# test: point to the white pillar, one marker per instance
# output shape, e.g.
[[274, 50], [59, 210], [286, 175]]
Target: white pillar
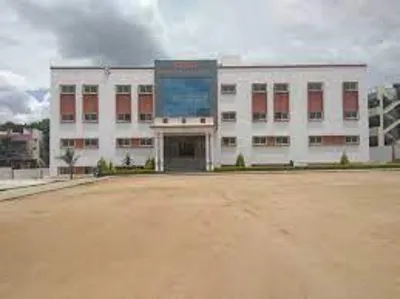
[[161, 151], [207, 152], [211, 142], [156, 152]]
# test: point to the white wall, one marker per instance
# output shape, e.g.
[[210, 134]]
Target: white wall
[[107, 130], [298, 127], [18, 174], [383, 153]]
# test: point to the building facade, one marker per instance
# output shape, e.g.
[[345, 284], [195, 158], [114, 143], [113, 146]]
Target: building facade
[[21, 149], [384, 115], [198, 115]]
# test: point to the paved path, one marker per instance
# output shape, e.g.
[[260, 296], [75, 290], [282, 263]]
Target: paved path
[[26, 191]]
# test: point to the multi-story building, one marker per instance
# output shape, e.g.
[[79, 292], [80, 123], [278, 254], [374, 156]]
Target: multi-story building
[[384, 115], [200, 114], [21, 149]]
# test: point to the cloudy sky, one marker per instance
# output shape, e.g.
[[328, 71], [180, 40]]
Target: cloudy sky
[[37, 33]]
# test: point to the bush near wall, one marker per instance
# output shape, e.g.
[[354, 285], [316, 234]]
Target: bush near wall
[[309, 167], [127, 171]]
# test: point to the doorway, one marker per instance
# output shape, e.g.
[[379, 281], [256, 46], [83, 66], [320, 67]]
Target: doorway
[[184, 153]]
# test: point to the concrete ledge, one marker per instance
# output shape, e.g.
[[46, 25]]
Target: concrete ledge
[[18, 193]]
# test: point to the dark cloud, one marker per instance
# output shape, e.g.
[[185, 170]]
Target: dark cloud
[[95, 30]]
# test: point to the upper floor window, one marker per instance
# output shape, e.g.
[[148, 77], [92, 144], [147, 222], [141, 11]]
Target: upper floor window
[[281, 116], [259, 88], [90, 117], [281, 87], [228, 88], [315, 86], [123, 89], [350, 86], [228, 116], [90, 89], [67, 89], [145, 89], [350, 114]]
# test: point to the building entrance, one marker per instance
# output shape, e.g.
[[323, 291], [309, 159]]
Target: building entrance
[[184, 153]]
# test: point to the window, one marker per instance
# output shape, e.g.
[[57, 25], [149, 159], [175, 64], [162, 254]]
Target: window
[[228, 141], [123, 89], [63, 170], [145, 89], [90, 117], [352, 140], [228, 88], [259, 117], [65, 143], [282, 140], [228, 116], [67, 118], [259, 140], [281, 116], [67, 89], [124, 118], [281, 87], [315, 116], [350, 86], [91, 143], [88, 170], [314, 140], [350, 115], [90, 89], [146, 142], [259, 88], [373, 141], [145, 117], [314, 86], [123, 142]]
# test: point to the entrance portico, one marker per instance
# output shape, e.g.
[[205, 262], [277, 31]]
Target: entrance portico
[[181, 143]]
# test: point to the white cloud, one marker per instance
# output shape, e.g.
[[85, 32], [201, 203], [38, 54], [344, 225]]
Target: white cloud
[[36, 34]]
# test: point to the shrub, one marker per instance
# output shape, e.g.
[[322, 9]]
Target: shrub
[[344, 160], [240, 161], [111, 167], [128, 160], [102, 165], [291, 163], [150, 164]]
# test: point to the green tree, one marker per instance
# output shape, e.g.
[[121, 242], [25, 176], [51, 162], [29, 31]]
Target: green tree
[[70, 159], [44, 126], [240, 161], [344, 160], [128, 160], [150, 164]]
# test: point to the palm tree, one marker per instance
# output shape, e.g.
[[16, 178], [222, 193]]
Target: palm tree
[[70, 159]]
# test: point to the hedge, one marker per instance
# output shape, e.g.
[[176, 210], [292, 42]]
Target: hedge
[[127, 172], [309, 167]]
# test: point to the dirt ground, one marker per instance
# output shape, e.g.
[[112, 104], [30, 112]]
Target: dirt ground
[[296, 235]]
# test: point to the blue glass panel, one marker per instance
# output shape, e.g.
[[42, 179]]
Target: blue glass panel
[[185, 96]]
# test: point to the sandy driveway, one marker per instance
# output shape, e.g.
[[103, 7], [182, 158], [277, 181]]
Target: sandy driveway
[[303, 235]]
